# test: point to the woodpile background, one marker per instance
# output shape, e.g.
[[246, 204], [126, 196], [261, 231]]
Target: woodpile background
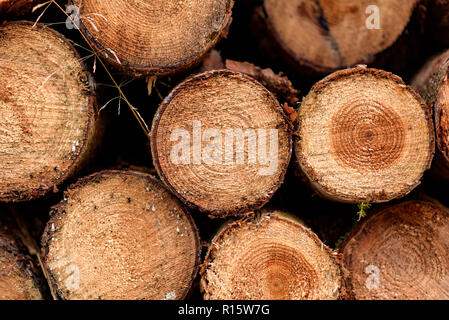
[[340, 190]]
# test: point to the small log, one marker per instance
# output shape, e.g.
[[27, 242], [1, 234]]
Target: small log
[[49, 128], [364, 136], [432, 82], [222, 143], [154, 37], [120, 235], [270, 257], [324, 36], [400, 252]]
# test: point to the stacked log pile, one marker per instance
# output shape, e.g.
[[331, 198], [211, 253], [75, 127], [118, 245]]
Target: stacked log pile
[[247, 181]]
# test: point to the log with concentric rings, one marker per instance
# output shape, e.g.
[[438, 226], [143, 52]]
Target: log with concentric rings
[[202, 163], [400, 252], [49, 128], [364, 135], [120, 235], [272, 256], [155, 37]]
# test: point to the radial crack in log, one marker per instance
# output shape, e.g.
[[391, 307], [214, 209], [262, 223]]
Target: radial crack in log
[[326, 35], [154, 37], [120, 235], [222, 143], [49, 127], [400, 252], [364, 136], [270, 257]]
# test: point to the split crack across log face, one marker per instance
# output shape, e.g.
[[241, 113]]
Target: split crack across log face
[[433, 84], [333, 34]]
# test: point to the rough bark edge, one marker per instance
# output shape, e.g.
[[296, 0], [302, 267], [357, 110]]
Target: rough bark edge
[[24, 261], [239, 211], [430, 89], [228, 228], [140, 71], [348, 292], [58, 212], [94, 129], [276, 83], [310, 174], [287, 54]]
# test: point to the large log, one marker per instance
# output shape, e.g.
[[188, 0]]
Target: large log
[[154, 37], [399, 252], [270, 257], [222, 143], [364, 136], [120, 235], [49, 127]]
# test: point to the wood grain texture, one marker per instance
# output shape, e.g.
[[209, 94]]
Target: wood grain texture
[[269, 257], [327, 35], [154, 37], [228, 184], [49, 125], [364, 135], [120, 235], [405, 246]]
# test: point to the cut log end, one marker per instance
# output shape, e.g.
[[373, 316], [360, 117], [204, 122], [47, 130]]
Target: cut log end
[[47, 108], [399, 252], [222, 143], [271, 257], [17, 278], [120, 235], [154, 37], [333, 34], [365, 135]]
